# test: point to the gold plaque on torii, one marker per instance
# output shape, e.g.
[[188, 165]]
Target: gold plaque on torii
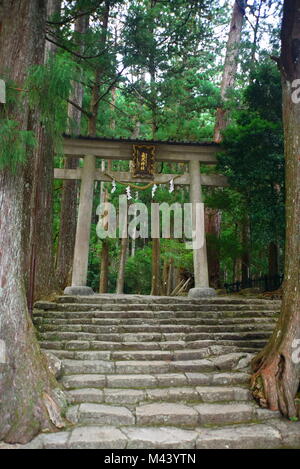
[[143, 161]]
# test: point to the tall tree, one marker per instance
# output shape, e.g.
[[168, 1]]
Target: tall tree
[[26, 386], [68, 213], [277, 368], [230, 66], [222, 120]]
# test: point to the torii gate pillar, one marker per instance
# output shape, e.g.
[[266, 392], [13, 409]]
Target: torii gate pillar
[[84, 221], [202, 288]]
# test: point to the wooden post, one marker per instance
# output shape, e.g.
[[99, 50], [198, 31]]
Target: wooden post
[[200, 255], [81, 252]]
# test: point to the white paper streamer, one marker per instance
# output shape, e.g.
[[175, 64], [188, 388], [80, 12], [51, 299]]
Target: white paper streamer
[[114, 187], [128, 193], [154, 189], [172, 187]]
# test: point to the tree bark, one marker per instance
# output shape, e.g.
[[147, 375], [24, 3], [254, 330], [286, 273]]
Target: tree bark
[[68, 212], [155, 267], [246, 250], [273, 259], [104, 256], [212, 228], [276, 377], [26, 386], [121, 273], [230, 66], [104, 268]]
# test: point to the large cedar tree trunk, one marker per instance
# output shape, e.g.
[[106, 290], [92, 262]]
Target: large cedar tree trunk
[[26, 386], [276, 369], [68, 212], [40, 279]]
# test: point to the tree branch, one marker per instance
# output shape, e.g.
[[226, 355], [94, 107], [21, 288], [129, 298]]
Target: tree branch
[[79, 56], [86, 113]]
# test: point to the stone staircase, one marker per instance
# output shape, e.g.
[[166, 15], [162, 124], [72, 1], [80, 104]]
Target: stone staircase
[[149, 372]]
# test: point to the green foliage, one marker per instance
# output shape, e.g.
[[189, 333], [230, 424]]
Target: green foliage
[[159, 63], [49, 88], [138, 272], [14, 143], [253, 160], [264, 94], [174, 249]]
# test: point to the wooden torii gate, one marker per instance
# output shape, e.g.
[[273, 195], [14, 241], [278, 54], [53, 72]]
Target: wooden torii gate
[[113, 149]]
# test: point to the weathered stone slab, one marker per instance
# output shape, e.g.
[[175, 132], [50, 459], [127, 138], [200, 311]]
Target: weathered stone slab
[[218, 414], [56, 440], [239, 437], [223, 393], [92, 355], [131, 381], [72, 414], [233, 361], [160, 438], [230, 378], [88, 366], [54, 364], [77, 345], [199, 378], [124, 396], [84, 381], [289, 431], [138, 367], [265, 414], [165, 413], [171, 379], [193, 365], [173, 394], [95, 437], [142, 355], [78, 396], [105, 415]]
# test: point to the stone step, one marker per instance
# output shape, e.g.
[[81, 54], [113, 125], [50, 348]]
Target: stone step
[[200, 414], [144, 354], [101, 414], [241, 344], [162, 329], [145, 381], [275, 433], [136, 367], [80, 345], [162, 314], [151, 307], [254, 335], [168, 414], [255, 436], [216, 318], [161, 300], [144, 372], [154, 322], [138, 396], [154, 337]]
